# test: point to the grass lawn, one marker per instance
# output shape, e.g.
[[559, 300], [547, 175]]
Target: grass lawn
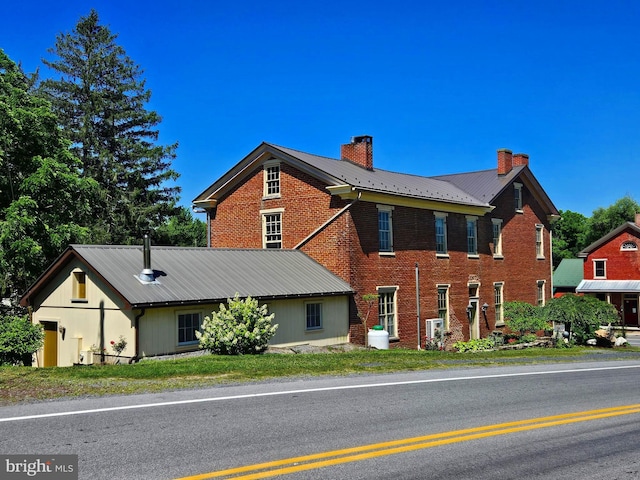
[[26, 384]]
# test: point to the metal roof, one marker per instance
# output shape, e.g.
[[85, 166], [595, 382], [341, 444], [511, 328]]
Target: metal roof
[[199, 275], [346, 172], [569, 273], [605, 286]]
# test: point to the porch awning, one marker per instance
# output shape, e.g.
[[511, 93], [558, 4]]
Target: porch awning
[[608, 286]]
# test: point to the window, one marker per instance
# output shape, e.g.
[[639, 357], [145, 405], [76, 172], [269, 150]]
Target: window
[[79, 280], [472, 235], [541, 298], [629, 246], [443, 303], [497, 302], [385, 228], [314, 316], [272, 228], [497, 237], [599, 269], [272, 180], [387, 309], [517, 191], [441, 233], [539, 241], [188, 325]]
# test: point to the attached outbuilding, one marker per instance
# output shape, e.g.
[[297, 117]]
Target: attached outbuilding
[[155, 298]]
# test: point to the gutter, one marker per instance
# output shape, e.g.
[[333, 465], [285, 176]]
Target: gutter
[[327, 223]]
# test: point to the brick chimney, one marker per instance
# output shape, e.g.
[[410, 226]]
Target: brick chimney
[[359, 151], [520, 159], [505, 161], [638, 219]]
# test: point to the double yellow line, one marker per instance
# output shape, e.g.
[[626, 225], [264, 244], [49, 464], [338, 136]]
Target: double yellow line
[[355, 454]]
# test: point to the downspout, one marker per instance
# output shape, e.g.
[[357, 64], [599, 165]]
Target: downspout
[[136, 353], [327, 223], [418, 301]]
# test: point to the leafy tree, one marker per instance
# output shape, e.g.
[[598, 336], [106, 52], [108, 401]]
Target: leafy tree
[[583, 315], [568, 235], [44, 202], [604, 220], [100, 100], [238, 329], [19, 339], [182, 230], [523, 317]]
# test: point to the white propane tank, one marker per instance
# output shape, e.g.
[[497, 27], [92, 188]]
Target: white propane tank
[[378, 338]]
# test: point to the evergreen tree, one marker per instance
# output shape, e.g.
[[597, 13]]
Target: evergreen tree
[[44, 201], [182, 230], [100, 100]]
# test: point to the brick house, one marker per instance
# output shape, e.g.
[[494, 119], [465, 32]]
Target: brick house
[[612, 270], [454, 247]]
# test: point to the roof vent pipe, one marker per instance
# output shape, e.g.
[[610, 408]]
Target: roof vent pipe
[[147, 273]]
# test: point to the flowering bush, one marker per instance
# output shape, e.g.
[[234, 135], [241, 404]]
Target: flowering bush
[[119, 346], [241, 327]]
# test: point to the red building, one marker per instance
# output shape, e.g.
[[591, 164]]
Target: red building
[[454, 247], [612, 270]]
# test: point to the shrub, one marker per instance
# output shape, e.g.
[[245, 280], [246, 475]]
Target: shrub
[[524, 318], [241, 327], [19, 339], [475, 345], [582, 315]]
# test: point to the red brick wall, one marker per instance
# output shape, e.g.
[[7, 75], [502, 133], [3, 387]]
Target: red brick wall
[[349, 247], [620, 265]]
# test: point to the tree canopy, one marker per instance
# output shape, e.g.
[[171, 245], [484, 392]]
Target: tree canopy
[[100, 100], [44, 201]]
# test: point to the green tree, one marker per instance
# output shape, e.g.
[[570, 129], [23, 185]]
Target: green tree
[[568, 235], [182, 230], [44, 202], [604, 220], [523, 317], [100, 99], [241, 327], [19, 340], [582, 315]]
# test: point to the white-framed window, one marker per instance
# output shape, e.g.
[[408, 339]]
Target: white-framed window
[[79, 285], [628, 245], [385, 228], [188, 324], [387, 310], [599, 268], [272, 228], [271, 179], [497, 237], [498, 289], [517, 196], [539, 241], [541, 295], [443, 304], [313, 313], [441, 233], [472, 236]]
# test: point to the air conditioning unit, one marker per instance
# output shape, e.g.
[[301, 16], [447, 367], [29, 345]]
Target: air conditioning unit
[[85, 357], [434, 333]]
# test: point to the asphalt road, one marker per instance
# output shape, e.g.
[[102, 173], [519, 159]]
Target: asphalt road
[[555, 421]]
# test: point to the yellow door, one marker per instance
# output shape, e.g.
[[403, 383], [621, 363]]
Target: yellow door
[[50, 356]]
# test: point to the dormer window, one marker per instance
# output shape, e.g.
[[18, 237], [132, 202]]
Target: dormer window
[[628, 246], [271, 180]]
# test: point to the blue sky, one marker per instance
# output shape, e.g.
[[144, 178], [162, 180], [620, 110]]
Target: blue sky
[[439, 85]]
